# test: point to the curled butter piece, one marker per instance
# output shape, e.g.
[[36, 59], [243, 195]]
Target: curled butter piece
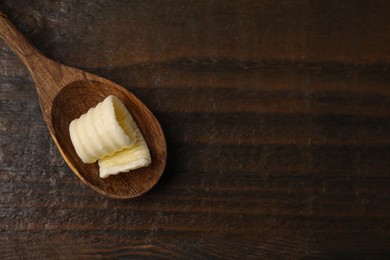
[[102, 131], [131, 158]]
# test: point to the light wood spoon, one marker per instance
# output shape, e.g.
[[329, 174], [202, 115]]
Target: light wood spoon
[[65, 93]]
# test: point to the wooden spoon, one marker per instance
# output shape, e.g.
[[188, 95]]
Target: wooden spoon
[[65, 93]]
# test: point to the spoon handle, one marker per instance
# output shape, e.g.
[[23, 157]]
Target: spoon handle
[[16, 41], [49, 76]]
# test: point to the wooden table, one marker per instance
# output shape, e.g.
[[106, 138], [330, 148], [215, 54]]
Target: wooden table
[[277, 119]]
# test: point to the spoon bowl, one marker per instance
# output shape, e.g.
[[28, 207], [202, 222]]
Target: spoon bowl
[[65, 93], [89, 93]]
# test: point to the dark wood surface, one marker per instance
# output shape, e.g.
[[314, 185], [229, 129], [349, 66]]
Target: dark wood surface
[[277, 119]]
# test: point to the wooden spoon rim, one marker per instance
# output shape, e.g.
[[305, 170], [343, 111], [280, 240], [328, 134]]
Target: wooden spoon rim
[[156, 140]]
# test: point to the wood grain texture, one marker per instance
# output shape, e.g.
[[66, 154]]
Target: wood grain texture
[[277, 119]]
